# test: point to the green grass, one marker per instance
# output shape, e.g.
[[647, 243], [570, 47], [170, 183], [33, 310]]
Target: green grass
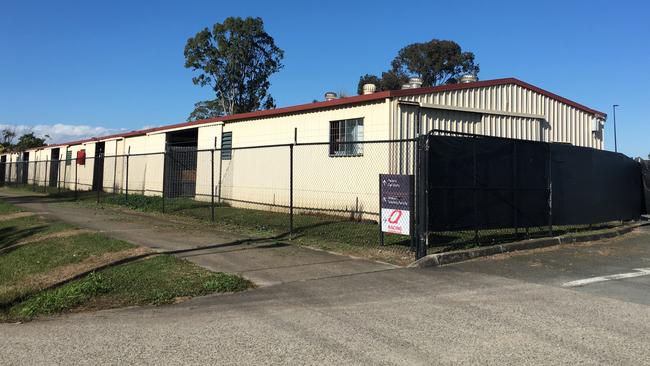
[[32, 188], [330, 228], [45, 255], [335, 233], [27, 228], [6, 208], [155, 281], [329, 232]]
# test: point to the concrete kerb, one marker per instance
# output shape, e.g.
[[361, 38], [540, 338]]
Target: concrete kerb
[[441, 259]]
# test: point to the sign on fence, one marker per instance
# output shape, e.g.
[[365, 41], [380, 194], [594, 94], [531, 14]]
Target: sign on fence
[[395, 194]]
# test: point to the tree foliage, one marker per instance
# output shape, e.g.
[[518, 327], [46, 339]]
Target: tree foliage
[[436, 62], [7, 136], [29, 141], [206, 109], [389, 80], [235, 59], [26, 141]]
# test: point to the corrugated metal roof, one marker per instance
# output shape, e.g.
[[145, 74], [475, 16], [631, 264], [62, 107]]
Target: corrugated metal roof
[[342, 102]]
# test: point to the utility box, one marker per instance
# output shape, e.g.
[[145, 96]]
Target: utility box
[[81, 157]]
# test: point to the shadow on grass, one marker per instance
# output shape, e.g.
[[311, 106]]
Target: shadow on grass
[[314, 227], [12, 235]]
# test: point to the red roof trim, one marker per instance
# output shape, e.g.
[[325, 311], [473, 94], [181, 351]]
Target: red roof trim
[[345, 101]]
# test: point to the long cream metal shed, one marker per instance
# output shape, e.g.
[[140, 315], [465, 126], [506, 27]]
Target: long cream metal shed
[[501, 107]]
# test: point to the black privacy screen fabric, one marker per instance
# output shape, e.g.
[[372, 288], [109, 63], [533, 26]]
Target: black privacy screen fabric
[[477, 182], [591, 186], [487, 183]]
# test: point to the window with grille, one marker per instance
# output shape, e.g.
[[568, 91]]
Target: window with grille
[[342, 133], [226, 146]]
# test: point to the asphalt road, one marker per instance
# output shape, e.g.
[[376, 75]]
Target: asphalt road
[[507, 310]]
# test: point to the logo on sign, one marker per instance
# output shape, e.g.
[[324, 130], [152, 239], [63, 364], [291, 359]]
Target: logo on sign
[[395, 221], [394, 216]]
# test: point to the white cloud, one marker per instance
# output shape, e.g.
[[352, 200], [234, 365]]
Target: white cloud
[[60, 132]]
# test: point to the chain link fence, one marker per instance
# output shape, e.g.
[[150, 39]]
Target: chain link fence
[[327, 195], [304, 191]]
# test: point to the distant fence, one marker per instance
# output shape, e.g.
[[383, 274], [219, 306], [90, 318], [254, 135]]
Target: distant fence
[[495, 188]]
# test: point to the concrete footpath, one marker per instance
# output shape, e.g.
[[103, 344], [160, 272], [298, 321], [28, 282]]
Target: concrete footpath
[[265, 262]]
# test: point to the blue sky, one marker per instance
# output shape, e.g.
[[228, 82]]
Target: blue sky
[[82, 67]]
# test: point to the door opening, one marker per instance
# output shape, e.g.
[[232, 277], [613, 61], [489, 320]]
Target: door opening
[[180, 169], [54, 168], [98, 167]]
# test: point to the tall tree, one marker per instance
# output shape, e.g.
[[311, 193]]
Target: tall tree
[[236, 59], [436, 62]]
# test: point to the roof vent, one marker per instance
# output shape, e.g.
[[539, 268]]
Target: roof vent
[[369, 88], [330, 96], [415, 83], [468, 78]]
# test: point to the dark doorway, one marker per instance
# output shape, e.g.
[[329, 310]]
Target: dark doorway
[[180, 167], [54, 168], [22, 168], [3, 169], [98, 168]]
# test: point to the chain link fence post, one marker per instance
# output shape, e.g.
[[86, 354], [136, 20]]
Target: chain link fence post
[[475, 190], [422, 186], [99, 184], [126, 184], [290, 191], [219, 182], [9, 177], [164, 180], [550, 193], [45, 176], [65, 172], [76, 179], [34, 176], [212, 182]]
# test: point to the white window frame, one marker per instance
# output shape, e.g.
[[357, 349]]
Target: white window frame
[[346, 130]]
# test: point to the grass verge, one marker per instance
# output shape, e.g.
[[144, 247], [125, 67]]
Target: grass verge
[[37, 254], [159, 280], [335, 233], [327, 232]]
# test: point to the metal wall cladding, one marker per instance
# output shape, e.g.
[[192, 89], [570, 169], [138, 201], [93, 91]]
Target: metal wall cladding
[[557, 121]]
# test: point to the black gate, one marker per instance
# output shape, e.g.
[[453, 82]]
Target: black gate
[[471, 184], [180, 171]]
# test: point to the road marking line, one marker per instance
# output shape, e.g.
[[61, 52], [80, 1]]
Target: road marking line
[[587, 281]]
